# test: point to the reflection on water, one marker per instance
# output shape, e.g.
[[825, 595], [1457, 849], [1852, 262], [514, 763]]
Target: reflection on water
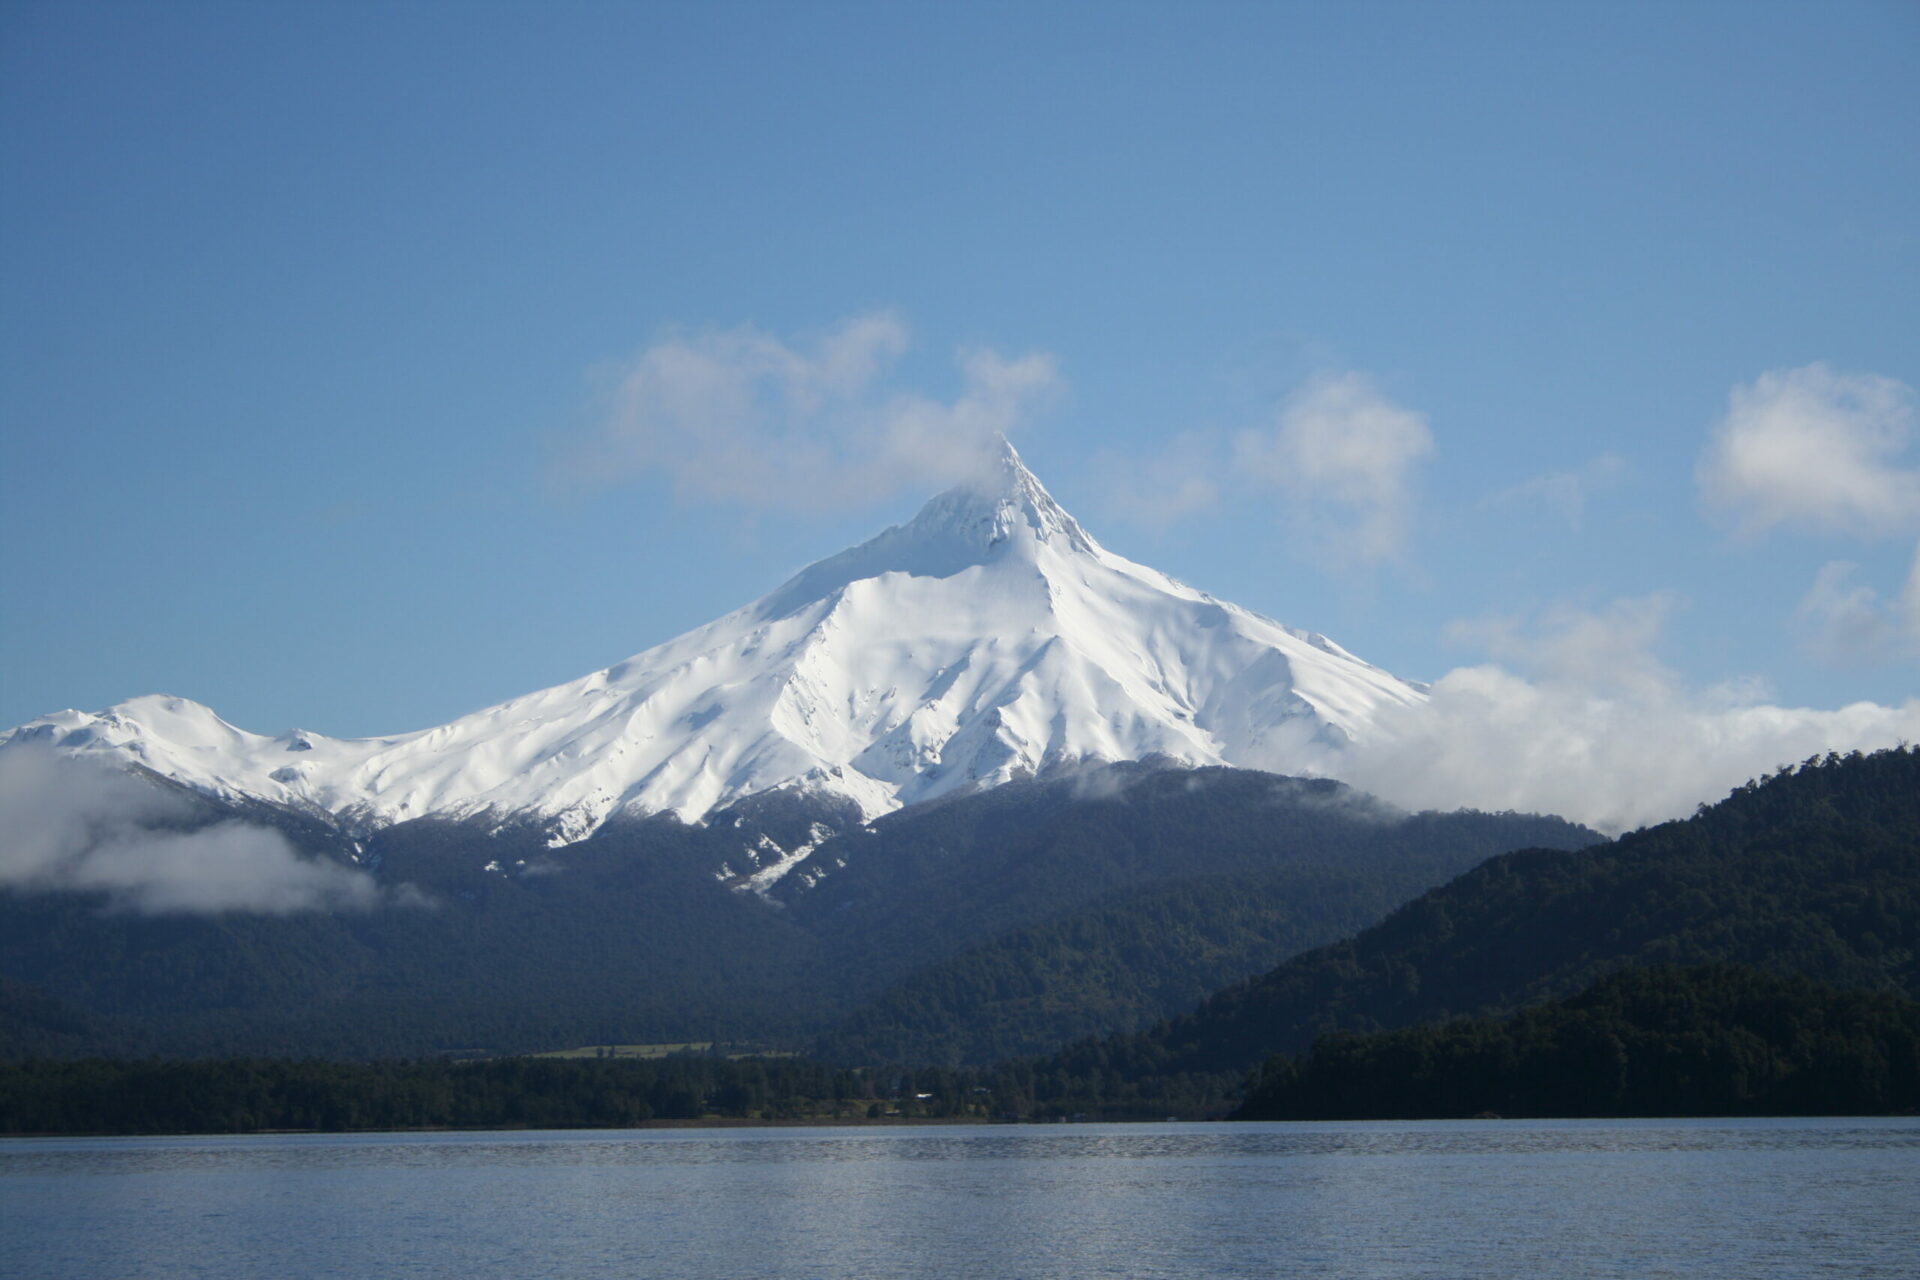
[[1486, 1199]]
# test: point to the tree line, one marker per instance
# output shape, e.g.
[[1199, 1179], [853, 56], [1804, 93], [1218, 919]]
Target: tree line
[[253, 1095], [1712, 1040]]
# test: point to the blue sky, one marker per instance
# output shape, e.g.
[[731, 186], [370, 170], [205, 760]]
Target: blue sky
[[1574, 338]]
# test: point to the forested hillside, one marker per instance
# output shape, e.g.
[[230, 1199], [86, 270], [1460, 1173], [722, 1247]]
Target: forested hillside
[[490, 942], [1055, 909], [1814, 871]]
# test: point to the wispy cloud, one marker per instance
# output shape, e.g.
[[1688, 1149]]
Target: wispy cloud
[[1594, 727], [78, 825], [1814, 448], [1343, 455], [1844, 622], [742, 416], [1566, 493], [1189, 475], [1610, 649]]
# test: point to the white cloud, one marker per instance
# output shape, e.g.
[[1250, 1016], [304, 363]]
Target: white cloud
[[1566, 493], [744, 417], [1844, 622], [1817, 449], [1595, 728], [1494, 740], [1344, 456], [77, 825]]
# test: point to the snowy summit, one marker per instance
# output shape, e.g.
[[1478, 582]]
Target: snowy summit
[[987, 639]]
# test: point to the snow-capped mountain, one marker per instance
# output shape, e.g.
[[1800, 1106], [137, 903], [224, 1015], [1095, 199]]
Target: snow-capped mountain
[[989, 638]]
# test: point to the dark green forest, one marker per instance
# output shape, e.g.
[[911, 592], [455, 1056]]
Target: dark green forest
[[1812, 871], [1114, 966], [1202, 878], [1710, 1040]]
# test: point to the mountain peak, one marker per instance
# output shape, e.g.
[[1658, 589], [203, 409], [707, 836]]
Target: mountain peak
[[1000, 510], [1002, 501], [986, 639]]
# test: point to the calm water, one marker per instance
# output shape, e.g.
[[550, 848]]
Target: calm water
[[1748, 1199]]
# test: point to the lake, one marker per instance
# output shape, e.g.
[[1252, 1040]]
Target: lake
[[1743, 1198]]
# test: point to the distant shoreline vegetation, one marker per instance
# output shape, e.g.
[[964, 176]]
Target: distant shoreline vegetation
[[1708, 1040], [1714, 1040], [103, 1096]]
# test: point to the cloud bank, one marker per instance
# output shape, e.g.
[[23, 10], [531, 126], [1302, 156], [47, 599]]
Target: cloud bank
[[76, 825], [741, 416], [1594, 728]]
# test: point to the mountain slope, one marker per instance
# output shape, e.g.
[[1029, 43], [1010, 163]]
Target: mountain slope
[[504, 945], [985, 640], [488, 940]]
